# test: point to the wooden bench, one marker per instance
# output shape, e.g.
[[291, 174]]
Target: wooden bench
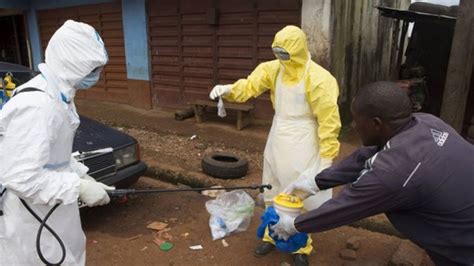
[[243, 111]]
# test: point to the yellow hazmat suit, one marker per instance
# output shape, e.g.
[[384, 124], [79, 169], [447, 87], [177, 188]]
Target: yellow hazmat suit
[[303, 138], [321, 87]]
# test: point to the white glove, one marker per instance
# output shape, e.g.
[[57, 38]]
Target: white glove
[[93, 193], [285, 227], [303, 187], [219, 91]]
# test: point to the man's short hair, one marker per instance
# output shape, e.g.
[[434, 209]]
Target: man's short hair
[[383, 99]]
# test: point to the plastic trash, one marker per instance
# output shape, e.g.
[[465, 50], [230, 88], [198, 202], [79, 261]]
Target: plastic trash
[[220, 108], [196, 247], [166, 246], [231, 212], [224, 243]]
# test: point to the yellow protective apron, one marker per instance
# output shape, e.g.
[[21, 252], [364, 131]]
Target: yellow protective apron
[[293, 145]]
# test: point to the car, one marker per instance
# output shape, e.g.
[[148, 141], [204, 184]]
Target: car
[[112, 156]]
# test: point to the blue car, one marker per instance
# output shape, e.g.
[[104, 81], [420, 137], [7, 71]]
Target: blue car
[[112, 156]]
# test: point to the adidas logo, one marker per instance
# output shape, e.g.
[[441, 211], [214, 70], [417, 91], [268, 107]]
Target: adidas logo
[[439, 137]]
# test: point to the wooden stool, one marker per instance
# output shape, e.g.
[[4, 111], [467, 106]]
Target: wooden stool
[[243, 111]]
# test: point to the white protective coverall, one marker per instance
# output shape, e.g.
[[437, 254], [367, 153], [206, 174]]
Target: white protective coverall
[[36, 136]]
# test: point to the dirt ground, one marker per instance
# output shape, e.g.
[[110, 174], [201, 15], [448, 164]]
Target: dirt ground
[[175, 148], [188, 151], [110, 228]]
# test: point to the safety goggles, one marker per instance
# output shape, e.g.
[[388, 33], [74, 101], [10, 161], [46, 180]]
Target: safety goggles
[[281, 53]]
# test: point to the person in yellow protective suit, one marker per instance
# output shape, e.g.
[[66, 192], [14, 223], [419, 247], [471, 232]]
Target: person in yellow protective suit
[[303, 138]]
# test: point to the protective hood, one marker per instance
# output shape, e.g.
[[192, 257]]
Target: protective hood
[[73, 52], [293, 40]]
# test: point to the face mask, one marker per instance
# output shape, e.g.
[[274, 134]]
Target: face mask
[[90, 80]]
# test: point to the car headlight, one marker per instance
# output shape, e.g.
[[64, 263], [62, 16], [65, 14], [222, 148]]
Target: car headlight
[[126, 156]]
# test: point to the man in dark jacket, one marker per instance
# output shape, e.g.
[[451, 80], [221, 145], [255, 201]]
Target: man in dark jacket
[[413, 167]]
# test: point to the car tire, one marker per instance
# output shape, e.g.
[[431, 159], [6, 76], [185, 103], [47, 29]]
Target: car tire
[[224, 165]]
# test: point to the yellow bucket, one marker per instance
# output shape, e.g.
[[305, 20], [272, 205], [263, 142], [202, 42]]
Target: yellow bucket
[[288, 204]]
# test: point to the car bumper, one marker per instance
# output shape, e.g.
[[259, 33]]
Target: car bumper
[[125, 176]]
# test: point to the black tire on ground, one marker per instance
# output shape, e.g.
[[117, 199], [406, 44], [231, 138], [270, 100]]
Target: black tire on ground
[[224, 165]]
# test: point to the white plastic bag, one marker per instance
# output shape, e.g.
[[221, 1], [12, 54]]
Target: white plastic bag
[[230, 212], [221, 109]]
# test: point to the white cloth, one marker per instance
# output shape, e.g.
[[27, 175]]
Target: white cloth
[[293, 144], [36, 136], [221, 108]]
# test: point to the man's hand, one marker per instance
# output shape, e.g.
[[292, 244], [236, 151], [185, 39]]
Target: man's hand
[[219, 91], [285, 227]]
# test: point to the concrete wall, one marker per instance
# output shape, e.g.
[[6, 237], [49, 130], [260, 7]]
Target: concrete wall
[[316, 23]]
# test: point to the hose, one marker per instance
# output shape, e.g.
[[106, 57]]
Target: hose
[[40, 230], [118, 192]]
